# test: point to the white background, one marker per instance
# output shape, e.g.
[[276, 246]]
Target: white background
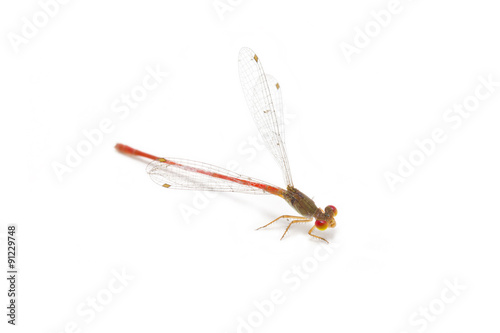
[[349, 122]]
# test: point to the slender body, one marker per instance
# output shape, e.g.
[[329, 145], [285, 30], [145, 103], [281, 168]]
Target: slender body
[[263, 95]]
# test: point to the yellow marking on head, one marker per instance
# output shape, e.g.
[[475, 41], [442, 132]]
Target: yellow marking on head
[[255, 58], [166, 185], [162, 160], [277, 85]]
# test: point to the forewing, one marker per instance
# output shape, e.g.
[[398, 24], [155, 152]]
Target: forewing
[[184, 174], [264, 101], [277, 99]]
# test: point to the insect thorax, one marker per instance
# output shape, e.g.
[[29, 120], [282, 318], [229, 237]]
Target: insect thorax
[[304, 205]]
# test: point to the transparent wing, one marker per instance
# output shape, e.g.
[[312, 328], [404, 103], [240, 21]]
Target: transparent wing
[[275, 89], [191, 175], [263, 95]]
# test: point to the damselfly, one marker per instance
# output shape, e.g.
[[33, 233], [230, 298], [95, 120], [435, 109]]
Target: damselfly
[[263, 95]]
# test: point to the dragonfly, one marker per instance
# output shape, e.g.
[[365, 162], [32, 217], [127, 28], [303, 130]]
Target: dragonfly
[[264, 99]]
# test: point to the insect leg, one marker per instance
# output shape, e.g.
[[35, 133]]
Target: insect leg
[[281, 217], [302, 220]]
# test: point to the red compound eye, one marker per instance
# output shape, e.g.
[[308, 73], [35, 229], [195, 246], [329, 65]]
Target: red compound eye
[[334, 210], [321, 225]]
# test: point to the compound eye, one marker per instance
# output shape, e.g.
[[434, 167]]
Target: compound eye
[[332, 208], [321, 225]]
